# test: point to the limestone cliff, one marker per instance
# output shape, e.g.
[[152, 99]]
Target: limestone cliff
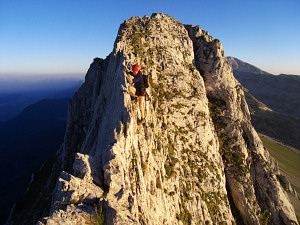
[[196, 160]]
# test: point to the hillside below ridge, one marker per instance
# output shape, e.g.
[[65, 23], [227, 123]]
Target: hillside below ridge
[[279, 92], [196, 160], [282, 128], [278, 111]]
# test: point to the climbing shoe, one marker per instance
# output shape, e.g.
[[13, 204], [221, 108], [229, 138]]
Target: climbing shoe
[[133, 98]]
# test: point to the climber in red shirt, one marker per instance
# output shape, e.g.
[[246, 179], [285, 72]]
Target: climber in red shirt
[[137, 88]]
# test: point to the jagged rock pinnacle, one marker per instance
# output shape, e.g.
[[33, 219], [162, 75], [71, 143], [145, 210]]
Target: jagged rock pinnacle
[[196, 151]]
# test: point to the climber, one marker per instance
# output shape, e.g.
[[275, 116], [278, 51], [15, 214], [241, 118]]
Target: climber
[[137, 88]]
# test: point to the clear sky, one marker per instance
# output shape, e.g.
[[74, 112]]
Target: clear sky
[[63, 36]]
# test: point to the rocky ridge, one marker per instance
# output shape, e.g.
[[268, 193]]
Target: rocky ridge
[[196, 159]]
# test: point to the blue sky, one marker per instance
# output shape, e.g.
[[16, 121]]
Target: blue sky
[[55, 37]]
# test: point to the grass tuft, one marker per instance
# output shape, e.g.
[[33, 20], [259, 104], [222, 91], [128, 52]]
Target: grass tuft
[[99, 217]]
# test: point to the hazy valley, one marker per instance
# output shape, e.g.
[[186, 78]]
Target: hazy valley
[[16, 94]]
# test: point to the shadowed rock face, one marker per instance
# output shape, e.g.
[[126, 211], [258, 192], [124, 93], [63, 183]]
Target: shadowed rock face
[[196, 142]]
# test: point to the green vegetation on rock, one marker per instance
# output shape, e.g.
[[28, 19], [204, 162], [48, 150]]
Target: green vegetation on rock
[[99, 217]]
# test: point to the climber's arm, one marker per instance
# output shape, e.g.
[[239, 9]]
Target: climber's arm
[[128, 78], [127, 70]]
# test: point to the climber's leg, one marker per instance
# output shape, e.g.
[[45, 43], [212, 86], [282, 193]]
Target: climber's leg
[[132, 91], [142, 108]]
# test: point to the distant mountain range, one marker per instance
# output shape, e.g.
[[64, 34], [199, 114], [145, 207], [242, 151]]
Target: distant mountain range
[[274, 101], [14, 98], [241, 66], [32, 84]]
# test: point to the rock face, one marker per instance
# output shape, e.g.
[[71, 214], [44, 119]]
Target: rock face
[[196, 159], [73, 200]]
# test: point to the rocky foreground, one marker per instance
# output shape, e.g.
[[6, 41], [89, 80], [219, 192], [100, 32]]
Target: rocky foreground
[[196, 160]]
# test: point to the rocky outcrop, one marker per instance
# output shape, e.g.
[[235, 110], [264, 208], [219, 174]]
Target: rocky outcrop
[[287, 185], [196, 151], [75, 199]]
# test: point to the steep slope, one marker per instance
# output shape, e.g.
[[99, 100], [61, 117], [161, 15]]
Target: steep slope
[[281, 93], [282, 127], [196, 152], [279, 118]]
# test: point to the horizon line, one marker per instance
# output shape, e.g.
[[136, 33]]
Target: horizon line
[[42, 75]]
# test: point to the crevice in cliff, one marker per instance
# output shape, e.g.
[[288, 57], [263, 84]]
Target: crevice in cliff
[[235, 212]]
